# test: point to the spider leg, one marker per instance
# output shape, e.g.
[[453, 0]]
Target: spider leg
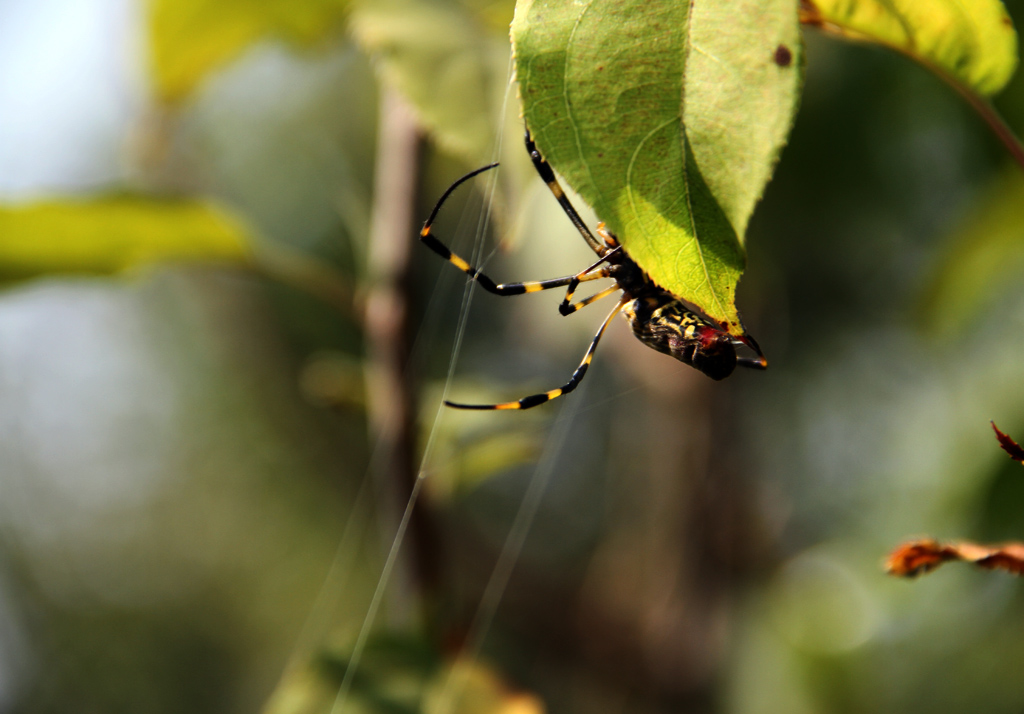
[[752, 362], [566, 307], [428, 239], [760, 362], [570, 308], [548, 176], [574, 381]]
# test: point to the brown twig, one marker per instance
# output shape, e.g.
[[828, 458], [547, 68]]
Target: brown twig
[[391, 391], [991, 117]]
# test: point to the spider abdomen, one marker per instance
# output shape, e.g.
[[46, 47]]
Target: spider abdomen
[[666, 325]]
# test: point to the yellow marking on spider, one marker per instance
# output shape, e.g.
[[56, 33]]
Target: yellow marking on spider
[[556, 189], [609, 240], [426, 231], [460, 264], [554, 393], [533, 287], [508, 405]]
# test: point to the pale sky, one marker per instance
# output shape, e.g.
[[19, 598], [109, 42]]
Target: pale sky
[[71, 82]]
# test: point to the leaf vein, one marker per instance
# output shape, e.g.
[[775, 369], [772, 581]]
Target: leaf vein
[[568, 104]]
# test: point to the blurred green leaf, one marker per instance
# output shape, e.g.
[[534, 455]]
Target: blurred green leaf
[[393, 674], [191, 38], [400, 675], [467, 451], [495, 14], [668, 119], [334, 379], [986, 254], [499, 452], [303, 691], [972, 42], [465, 463], [448, 61], [114, 233], [469, 687]]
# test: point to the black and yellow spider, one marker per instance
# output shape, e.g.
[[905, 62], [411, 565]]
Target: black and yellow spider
[[659, 319]]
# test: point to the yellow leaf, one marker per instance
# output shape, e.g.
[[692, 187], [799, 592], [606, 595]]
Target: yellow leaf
[[191, 38], [972, 41], [468, 687], [114, 233]]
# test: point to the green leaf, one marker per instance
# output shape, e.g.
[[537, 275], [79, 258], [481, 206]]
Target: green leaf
[[668, 118], [971, 42], [985, 256], [191, 38], [449, 62], [114, 233]]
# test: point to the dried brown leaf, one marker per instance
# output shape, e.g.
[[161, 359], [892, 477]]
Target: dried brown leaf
[[921, 556], [1009, 445]]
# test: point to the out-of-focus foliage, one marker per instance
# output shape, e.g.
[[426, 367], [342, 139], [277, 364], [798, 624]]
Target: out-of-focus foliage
[[467, 451], [189, 39], [972, 42], [473, 688], [183, 458], [449, 62], [111, 234], [668, 119], [450, 59], [985, 255], [400, 675]]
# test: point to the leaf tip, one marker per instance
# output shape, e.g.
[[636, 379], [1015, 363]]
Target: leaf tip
[[1008, 445], [916, 557]]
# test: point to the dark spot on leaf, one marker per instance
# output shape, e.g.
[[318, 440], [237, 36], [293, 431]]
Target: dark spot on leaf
[[1007, 21], [783, 56]]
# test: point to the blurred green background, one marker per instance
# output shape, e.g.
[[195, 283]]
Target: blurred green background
[[201, 459]]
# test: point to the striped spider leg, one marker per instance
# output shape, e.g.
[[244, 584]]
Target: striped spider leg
[[596, 271]]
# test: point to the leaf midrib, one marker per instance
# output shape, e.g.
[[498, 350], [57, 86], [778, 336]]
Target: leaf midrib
[[568, 106], [687, 49]]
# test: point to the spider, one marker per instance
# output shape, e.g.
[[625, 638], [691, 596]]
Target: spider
[[659, 319]]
